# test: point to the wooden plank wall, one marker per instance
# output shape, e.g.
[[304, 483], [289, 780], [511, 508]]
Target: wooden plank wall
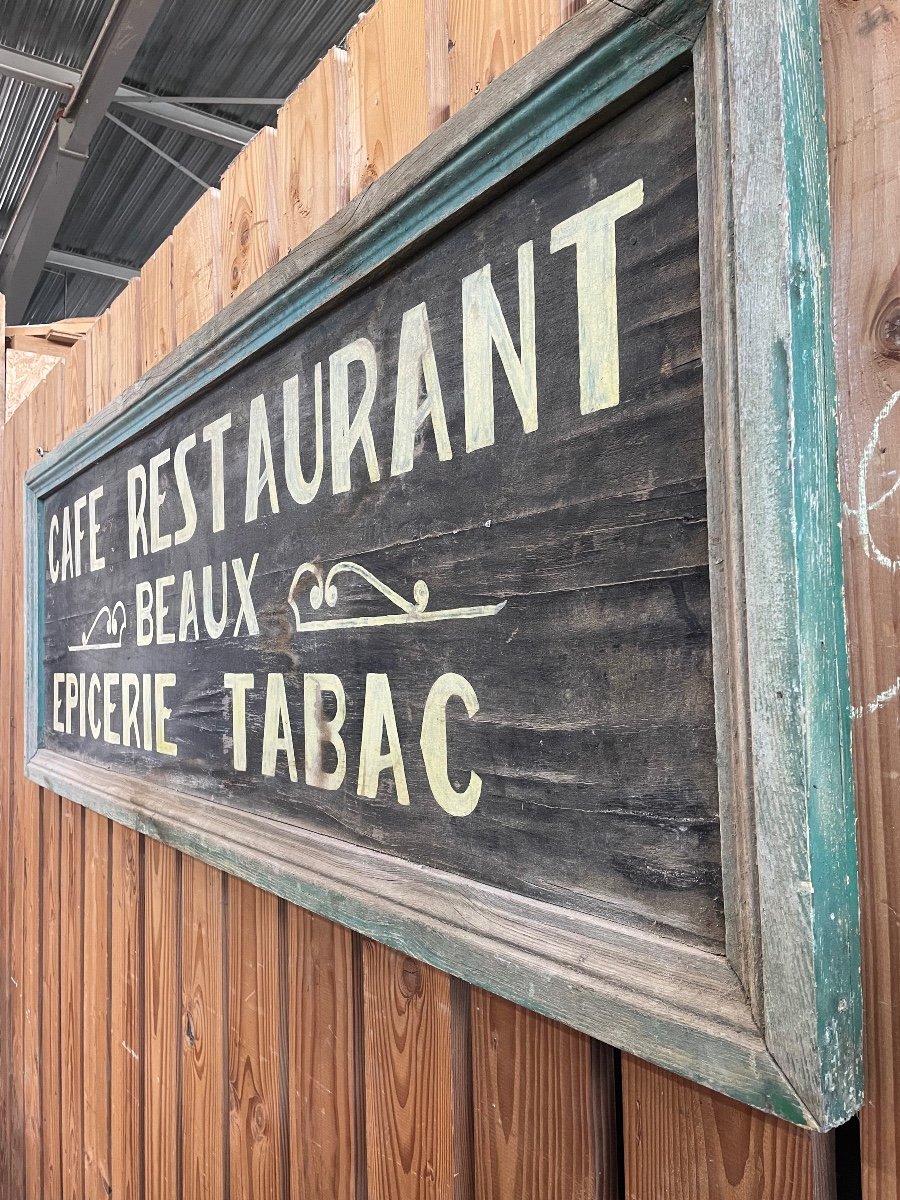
[[166, 1031]]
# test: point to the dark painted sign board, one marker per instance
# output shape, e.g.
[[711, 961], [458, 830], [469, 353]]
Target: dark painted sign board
[[406, 593]]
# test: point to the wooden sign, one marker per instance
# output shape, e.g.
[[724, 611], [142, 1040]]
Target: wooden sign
[[473, 579]]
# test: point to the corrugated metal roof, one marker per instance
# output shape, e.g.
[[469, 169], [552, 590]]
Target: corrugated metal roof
[[62, 31], [26, 114], [128, 199]]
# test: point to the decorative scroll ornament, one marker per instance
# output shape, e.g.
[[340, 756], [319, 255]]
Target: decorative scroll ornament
[[115, 628], [409, 612]]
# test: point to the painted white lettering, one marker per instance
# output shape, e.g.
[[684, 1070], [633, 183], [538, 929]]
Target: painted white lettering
[[162, 713], [137, 525], [246, 611], [52, 537], [484, 327], [319, 731], [434, 744], [346, 434], [259, 447], [415, 363], [301, 490], [98, 561], [378, 721], [239, 685], [215, 433], [214, 627], [143, 611], [185, 494], [277, 736], [163, 583], [593, 234]]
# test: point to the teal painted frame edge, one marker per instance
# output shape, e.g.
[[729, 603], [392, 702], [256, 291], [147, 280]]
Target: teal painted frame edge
[[800, 705], [565, 96], [832, 812]]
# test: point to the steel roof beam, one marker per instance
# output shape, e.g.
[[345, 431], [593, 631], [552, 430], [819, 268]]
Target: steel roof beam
[[65, 260], [63, 156], [173, 114]]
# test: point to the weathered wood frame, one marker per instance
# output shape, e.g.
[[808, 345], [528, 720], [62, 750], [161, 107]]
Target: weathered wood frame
[[776, 1022]]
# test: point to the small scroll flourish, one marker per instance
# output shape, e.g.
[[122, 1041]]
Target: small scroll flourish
[[114, 626], [324, 589]]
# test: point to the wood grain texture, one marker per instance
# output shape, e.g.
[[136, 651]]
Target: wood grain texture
[[683, 1141], [99, 347], [398, 83], [97, 975], [537, 1108], [862, 49], [248, 215], [71, 874], [204, 1126], [162, 1005], [16, 436], [126, 1014], [124, 338], [256, 1050], [157, 311], [197, 265], [6, 1065], [487, 36], [30, 818], [410, 1109], [51, 1055], [73, 992], [312, 153], [51, 428], [7, 1069], [322, 986]]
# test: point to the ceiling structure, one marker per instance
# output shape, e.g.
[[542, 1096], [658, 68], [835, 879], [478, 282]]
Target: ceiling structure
[[95, 170]]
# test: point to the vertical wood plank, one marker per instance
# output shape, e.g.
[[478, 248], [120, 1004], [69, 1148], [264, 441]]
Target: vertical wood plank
[[71, 870], [197, 265], [157, 315], [205, 1016], [71, 874], [6, 1064], [162, 1000], [411, 1101], [249, 215], [682, 1140], [487, 36], [398, 83], [30, 816], [161, 864], [15, 435], [126, 1015], [123, 332], [52, 422], [51, 1059], [97, 1176], [99, 349], [861, 52], [324, 1059], [311, 152], [257, 1116], [539, 1112]]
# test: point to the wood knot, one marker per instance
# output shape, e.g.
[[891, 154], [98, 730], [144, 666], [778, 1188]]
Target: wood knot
[[190, 1032], [887, 329], [244, 231], [411, 982], [259, 1120]]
